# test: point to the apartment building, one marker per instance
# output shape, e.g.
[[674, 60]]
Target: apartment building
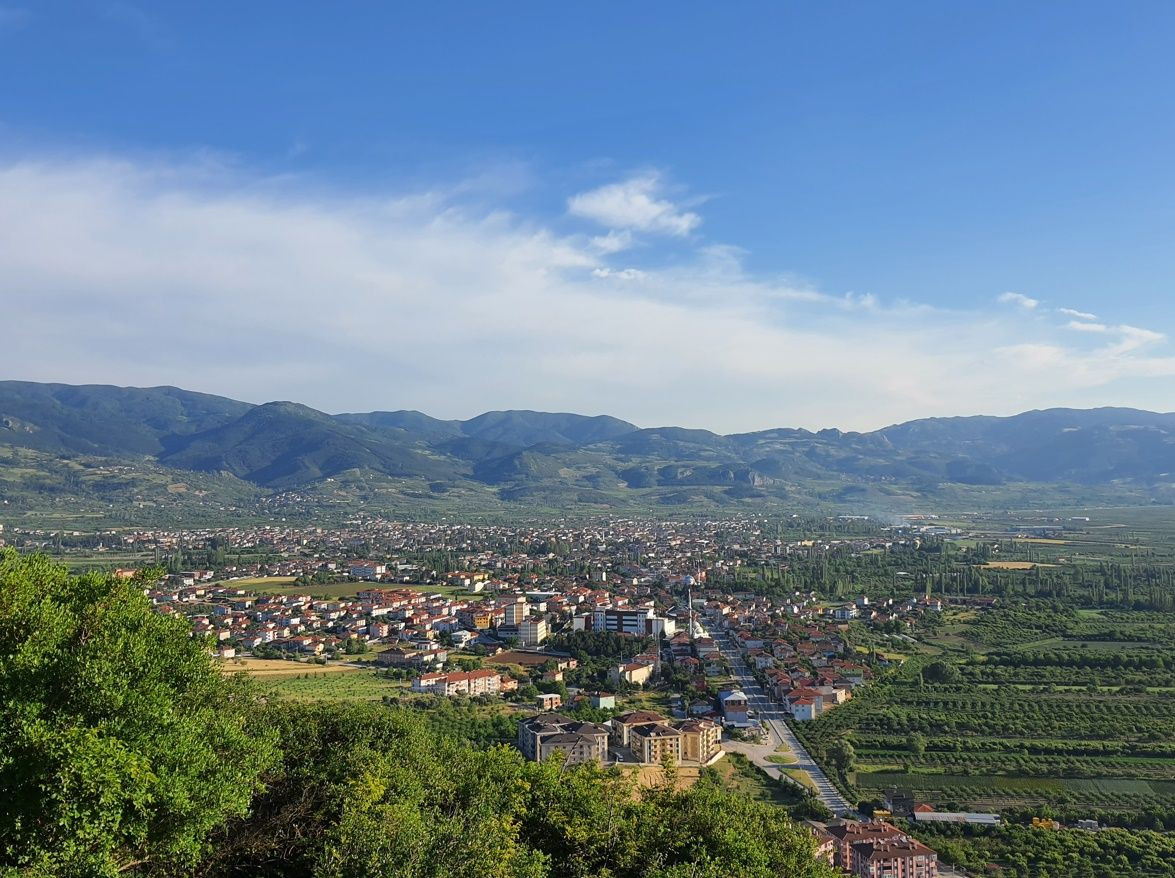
[[880, 850], [905, 858], [476, 618], [541, 736], [471, 683], [701, 740], [533, 631], [516, 611], [623, 621], [635, 673], [654, 742], [623, 725]]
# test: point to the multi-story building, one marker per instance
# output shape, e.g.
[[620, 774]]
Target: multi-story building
[[648, 736], [881, 850], [734, 706], [480, 682], [635, 621], [604, 700], [905, 858], [638, 621], [654, 742], [367, 569], [541, 736], [805, 709], [516, 611], [826, 842], [701, 740], [532, 631], [475, 617], [623, 724], [636, 673]]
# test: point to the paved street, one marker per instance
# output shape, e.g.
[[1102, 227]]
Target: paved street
[[771, 715]]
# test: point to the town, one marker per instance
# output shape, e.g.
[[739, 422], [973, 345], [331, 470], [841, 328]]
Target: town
[[656, 648], [481, 612]]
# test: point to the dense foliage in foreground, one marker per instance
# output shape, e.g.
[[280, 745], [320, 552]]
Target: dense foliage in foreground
[[119, 742], [122, 749], [369, 791]]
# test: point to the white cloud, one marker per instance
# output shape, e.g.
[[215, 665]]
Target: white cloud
[[635, 204], [1135, 337], [622, 273], [1080, 326], [124, 273], [613, 242], [1127, 338], [1018, 299], [1080, 315]]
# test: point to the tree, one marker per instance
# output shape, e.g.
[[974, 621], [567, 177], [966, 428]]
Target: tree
[[842, 756], [916, 743], [120, 741], [941, 672]]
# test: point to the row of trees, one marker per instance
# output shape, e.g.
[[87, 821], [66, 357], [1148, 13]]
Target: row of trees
[[1023, 852]]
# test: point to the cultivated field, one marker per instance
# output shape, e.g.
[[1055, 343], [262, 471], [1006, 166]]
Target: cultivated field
[[270, 668], [1045, 706]]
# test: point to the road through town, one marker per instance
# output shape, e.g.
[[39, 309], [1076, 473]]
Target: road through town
[[771, 715]]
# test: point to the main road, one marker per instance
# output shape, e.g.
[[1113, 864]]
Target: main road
[[771, 715]]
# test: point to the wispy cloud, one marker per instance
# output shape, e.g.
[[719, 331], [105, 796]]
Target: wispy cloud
[[1126, 338], [122, 272], [621, 273], [1079, 315], [1018, 299], [613, 242], [1135, 337], [637, 203]]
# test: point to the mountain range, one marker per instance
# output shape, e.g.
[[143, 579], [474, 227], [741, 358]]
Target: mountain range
[[554, 460]]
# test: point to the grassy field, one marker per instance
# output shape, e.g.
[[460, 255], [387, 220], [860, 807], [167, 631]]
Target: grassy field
[[327, 684], [256, 667], [304, 681], [738, 774], [801, 777], [654, 775], [277, 583], [447, 590], [657, 701]]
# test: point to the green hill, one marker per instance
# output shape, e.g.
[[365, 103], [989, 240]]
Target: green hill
[[49, 433]]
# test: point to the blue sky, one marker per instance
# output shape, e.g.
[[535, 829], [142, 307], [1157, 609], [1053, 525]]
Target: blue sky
[[826, 205]]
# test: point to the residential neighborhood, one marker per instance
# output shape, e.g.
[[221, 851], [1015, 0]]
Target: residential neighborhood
[[681, 664]]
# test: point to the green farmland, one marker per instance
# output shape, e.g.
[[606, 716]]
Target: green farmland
[[1020, 707]]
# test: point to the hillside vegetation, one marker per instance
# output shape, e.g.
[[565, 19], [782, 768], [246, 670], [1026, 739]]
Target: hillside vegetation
[[54, 438]]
